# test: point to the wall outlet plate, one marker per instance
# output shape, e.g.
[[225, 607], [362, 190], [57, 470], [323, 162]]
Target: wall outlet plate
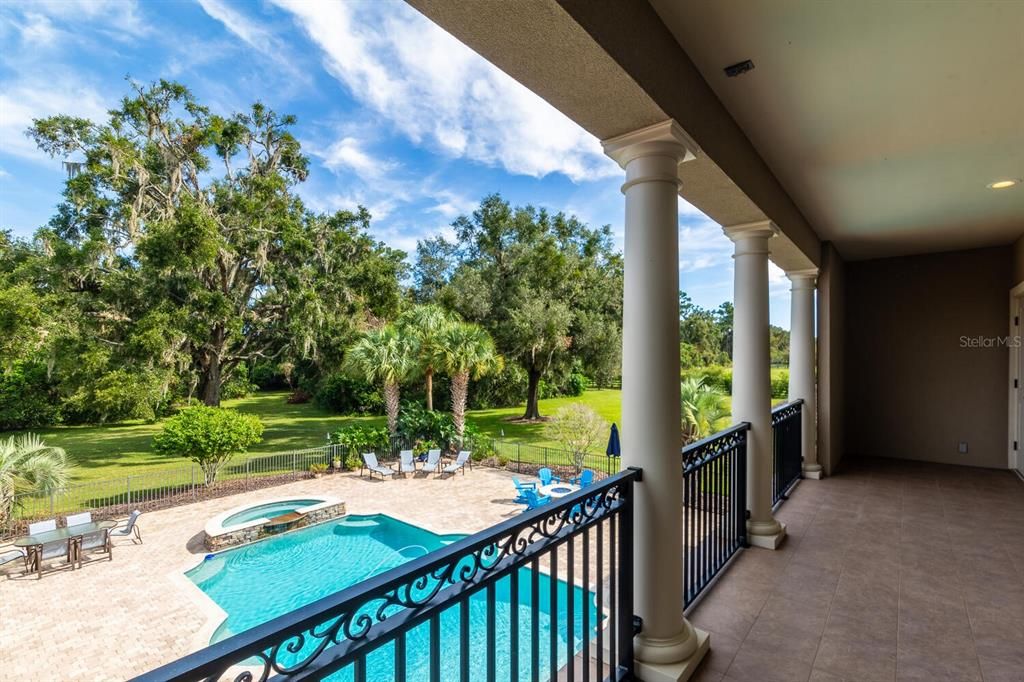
[[962, 447]]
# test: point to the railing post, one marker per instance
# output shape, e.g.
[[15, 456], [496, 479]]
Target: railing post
[[740, 494], [629, 624]]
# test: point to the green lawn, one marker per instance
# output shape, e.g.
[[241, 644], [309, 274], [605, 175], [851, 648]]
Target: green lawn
[[104, 452]]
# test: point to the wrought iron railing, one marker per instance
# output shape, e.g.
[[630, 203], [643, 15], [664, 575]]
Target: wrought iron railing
[[787, 448], [714, 505], [556, 581]]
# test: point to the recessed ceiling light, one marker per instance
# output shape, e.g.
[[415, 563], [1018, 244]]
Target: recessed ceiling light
[[1002, 184]]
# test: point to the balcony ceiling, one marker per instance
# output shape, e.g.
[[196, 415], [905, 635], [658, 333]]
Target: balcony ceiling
[[883, 121]]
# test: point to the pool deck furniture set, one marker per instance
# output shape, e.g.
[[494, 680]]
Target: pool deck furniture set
[[551, 487], [407, 464], [79, 535]]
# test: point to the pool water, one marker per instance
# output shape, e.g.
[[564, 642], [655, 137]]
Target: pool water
[[267, 511], [266, 579]]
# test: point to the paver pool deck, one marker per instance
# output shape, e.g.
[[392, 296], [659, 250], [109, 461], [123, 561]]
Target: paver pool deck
[[113, 620]]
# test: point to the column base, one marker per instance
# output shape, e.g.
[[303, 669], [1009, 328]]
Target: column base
[[770, 540], [678, 671], [813, 471]]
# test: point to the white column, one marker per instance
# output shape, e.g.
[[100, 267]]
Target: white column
[[668, 648], [802, 361], [751, 375]]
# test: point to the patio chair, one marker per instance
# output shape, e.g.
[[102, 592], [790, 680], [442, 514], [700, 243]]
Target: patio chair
[[42, 526], [585, 478], [78, 519], [406, 464], [9, 555], [459, 464], [100, 540], [532, 499], [370, 462], [522, 488], [546, 477], [129, 528], [433, 462]]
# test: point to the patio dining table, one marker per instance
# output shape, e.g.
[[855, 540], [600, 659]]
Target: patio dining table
[[71, 536]]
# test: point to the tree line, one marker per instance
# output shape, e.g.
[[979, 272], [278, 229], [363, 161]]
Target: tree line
[[182, 266]]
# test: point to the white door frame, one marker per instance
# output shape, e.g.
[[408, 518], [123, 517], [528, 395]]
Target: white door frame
[[1015, 458]]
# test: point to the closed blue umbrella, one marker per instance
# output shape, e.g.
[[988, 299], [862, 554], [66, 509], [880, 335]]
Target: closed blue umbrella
[[614, 446]]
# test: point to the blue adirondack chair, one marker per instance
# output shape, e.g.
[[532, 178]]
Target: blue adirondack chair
[[585, 478], [546, 477], [522, 488], [532, 499]]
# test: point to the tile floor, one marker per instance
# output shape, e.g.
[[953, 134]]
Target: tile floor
[[892, 570]]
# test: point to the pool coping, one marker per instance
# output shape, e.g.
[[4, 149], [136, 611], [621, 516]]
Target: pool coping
[[215, 527]]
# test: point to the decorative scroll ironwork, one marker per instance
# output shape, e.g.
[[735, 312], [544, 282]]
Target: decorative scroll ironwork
[[697, 454], [323, 637], [714, 506], [786, 411], [787, 448]]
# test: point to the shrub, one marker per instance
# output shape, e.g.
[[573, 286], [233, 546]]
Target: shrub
[[116, 396], [27, 399], [317, 468], [578, 429], [416, 422], [359, 439], [238, 386], [780, 383], [345, 395], [209, 436], [577, 384], [480, 445]]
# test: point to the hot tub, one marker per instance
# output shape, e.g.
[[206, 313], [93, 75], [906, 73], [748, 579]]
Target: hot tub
[[255, 520]]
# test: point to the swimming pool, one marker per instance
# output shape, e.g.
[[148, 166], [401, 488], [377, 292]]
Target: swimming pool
[[266, 579]]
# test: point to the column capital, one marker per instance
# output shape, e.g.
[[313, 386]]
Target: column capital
[[661, 139], [803, 279], [761, 229], [751, 239]]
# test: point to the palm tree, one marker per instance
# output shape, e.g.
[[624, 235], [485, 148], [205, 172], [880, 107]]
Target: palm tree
[[28, 465], [466, 350], [704, 409], [382, 356], [424, 326]]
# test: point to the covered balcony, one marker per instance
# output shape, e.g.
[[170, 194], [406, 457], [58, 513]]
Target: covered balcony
[[870, 529]]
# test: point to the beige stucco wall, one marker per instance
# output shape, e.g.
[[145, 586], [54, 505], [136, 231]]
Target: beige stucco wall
[[913, 390], [831, 280]]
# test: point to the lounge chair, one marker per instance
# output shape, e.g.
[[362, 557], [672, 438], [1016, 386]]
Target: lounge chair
[[42, 526], [585, 478], [130, 527], [532, 499], [546, 477], [406, 464], [522, 488], [370, 462], [433, 462], [459, 464], [78, 519]]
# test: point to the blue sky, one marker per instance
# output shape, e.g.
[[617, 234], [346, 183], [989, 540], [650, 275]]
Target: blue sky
[[394, 113]]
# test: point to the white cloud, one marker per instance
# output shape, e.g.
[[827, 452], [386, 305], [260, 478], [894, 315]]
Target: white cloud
[[117, 19], [4, 173], [39, 97], [437, 91], [702, 245], [348, 153], [256, 36], [451, 205]]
